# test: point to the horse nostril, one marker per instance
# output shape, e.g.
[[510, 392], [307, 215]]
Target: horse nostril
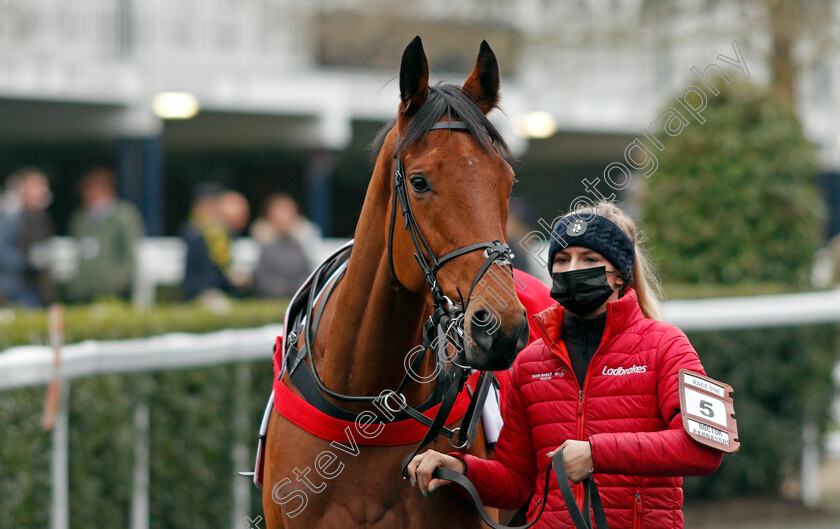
[[486, 332], [480, 329], [481, 317]]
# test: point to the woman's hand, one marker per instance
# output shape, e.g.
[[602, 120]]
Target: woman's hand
[[577, 457], [421, 467]]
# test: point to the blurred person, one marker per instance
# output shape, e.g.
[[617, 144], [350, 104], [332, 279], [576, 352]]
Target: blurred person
[[283, 265], [827, 264], [234, 212], [263, 229], [307, 234], [107, 230], [207, 237], [25, 229], [600, 384]]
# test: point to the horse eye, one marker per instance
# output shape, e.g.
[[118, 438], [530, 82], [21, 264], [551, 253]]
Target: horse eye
[[419, 184]]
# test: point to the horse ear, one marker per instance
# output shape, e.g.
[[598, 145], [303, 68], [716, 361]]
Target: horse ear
[[414, 77], [483, 83]]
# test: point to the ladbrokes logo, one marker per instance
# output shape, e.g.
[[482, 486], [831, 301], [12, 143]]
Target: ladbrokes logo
[[618, 371]]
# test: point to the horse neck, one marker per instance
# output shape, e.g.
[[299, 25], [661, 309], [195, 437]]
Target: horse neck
[[374, 326]]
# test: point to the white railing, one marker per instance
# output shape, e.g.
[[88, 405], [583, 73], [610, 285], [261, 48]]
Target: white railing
[[31, 365], [34, 365]]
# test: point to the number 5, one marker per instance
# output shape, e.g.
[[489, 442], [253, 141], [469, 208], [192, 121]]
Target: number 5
[[706, 408]]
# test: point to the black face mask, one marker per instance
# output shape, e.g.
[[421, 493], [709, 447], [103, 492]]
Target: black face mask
[[581, 291]]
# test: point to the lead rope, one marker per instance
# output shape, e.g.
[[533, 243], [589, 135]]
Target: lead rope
[[581, 522]]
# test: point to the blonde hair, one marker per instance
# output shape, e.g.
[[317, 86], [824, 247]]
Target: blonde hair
[[645, 281]]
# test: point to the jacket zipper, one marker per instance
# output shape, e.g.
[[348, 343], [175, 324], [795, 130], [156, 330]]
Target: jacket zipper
[[578, 490], [637, 511], [579, 487]]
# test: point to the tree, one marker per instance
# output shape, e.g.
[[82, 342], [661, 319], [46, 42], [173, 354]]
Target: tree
[[734, 199], [788, 23]]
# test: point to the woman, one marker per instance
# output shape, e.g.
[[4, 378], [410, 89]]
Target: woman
[[600, 383]]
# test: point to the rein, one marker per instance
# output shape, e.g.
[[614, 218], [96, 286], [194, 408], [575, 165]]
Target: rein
[[581, 518]]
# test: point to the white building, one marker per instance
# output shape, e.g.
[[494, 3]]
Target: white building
[[280, 80]]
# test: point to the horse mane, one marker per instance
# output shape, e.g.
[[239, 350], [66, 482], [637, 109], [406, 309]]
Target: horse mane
[[444, 99]]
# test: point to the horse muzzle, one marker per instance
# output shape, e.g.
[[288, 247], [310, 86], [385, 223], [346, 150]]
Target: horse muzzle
[[491, 345]]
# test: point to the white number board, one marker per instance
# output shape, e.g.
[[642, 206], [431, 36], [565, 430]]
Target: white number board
[[701, 405], [708, 412]]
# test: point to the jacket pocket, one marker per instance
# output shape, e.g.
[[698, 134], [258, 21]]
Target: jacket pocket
[[637, 510]]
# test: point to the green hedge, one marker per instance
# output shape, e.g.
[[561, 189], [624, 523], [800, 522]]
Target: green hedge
[[117, 320], [734, 200], [733, 209], [192, 420], [781, 377], [191, 433]]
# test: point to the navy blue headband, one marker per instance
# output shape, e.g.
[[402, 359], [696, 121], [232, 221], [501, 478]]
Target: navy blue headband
[[596, 233]]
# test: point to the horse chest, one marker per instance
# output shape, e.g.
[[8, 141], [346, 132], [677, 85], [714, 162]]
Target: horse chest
[[404, 508], [360, 488]]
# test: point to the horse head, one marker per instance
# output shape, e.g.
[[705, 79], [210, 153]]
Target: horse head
[[457, 184]]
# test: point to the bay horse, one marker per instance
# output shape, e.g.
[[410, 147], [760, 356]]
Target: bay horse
[[458, 184]]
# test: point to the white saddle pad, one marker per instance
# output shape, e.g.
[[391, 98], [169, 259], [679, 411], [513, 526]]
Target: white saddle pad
[[491, 416]]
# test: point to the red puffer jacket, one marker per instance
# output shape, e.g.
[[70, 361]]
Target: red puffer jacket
[[628, 410]]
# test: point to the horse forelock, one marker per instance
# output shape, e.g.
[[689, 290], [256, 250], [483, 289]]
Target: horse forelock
[[447, 100]]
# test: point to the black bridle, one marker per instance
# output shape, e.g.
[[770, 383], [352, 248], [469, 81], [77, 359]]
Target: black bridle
[[430, 264], [443, 328], [445, 325], [444, 310], [495, 252], [447, 320]]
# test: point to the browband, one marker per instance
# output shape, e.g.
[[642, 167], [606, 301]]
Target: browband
[[456, 125]]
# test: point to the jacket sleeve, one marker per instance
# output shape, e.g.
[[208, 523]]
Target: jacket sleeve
[[507, 480], [669, 452]]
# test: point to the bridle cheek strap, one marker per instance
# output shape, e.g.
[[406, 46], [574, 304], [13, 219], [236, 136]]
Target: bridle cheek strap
[[438, 326], [495, 251]]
